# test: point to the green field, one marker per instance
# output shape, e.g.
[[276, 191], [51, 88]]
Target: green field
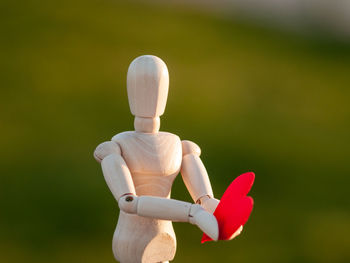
[[254, 99]]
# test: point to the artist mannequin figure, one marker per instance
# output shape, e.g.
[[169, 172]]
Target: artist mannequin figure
[[140, 167]]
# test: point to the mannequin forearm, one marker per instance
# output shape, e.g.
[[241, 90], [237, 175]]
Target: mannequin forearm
[[170, 209], [156, 207]]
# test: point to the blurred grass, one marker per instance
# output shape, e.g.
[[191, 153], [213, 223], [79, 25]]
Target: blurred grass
[[252, 98]]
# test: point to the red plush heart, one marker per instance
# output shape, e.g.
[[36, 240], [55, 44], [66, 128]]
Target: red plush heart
[[234, 208]]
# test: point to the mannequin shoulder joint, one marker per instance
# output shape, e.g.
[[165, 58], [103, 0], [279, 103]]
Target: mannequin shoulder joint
[[189, 147], [105, 149]]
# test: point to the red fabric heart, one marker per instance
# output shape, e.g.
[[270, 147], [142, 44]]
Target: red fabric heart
[[234, 208]]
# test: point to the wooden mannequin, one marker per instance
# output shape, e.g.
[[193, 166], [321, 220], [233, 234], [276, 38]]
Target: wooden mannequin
[[140, 167]]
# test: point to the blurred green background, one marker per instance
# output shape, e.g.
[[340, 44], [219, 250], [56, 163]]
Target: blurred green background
[[253, 98]]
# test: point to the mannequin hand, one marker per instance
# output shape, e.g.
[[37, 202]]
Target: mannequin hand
[[210, 204]]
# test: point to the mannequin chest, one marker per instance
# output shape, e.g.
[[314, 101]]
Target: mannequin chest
[[150, 154]]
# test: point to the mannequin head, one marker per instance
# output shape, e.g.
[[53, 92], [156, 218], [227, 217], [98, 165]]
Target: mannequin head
[[147, 85]]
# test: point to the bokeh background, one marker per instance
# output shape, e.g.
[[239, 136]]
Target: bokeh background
[[259, 87]]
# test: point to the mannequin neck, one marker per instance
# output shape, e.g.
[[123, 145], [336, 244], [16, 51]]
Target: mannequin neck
[[147, 125]]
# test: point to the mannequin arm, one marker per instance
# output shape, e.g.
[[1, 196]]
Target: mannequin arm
[[197, 180], [119, 181], [196, 177], [115, 170]]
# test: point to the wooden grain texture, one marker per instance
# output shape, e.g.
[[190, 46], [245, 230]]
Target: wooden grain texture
[[154, 161], [140, 167]]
